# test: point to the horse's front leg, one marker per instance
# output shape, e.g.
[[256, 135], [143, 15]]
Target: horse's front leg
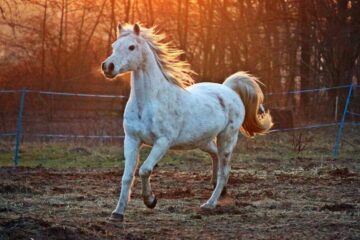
[[131, 152], [157, 152]]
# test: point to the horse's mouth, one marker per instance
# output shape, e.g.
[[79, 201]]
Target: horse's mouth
[[109, 75]]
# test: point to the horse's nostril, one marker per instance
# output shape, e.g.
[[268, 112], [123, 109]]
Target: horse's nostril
[[111, 67], [103, 66]]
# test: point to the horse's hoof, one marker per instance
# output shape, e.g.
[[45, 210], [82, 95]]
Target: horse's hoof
[[207, 206], [116, 217], [153, 204]]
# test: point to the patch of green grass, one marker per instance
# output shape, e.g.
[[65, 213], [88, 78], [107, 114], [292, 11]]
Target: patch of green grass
[[318, 144], [62, 155]]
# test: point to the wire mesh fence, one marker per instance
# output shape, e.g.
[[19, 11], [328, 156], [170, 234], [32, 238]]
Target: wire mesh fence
[[44, 116]]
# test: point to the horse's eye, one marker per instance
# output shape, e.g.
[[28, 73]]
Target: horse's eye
[[131, 47]]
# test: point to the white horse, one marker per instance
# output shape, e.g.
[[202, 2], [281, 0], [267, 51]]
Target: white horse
[[166, 110]]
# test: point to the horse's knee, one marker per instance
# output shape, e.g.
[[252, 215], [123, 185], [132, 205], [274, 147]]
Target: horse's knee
[[126, 180], [225, 155], [144, 171]]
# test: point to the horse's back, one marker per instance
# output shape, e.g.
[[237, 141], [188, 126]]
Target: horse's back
[[228, 99]]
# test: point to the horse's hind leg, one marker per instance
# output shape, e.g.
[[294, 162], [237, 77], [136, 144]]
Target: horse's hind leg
[[226, 142], [212, 150]]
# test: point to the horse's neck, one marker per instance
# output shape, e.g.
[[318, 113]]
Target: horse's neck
[[149, 84]]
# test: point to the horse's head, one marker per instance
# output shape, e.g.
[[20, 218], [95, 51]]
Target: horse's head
[[127, 53]]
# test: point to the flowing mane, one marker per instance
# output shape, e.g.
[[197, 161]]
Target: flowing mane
[[175, 71]]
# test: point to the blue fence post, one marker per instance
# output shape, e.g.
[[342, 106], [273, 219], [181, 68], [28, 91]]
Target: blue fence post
[[342, 123], [19, 127]]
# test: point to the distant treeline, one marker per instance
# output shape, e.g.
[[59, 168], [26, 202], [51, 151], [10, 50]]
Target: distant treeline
[[288, 44]]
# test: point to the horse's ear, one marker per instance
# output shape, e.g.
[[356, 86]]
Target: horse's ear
[[137, 29], [119, 27]]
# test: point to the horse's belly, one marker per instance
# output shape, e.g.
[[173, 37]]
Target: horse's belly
[[192, 145], [197, 135]]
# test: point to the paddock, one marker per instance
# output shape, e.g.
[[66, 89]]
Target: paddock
[[65, 191]]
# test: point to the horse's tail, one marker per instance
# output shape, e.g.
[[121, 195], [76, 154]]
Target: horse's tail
[[250, 93]]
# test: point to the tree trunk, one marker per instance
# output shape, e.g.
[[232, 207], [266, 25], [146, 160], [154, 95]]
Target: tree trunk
[[127, 4], [58, 64], [305, 48], [43, 42], [111, 28]]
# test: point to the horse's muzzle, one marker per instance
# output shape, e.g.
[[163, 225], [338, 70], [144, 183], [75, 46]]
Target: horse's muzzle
[[108, 69]]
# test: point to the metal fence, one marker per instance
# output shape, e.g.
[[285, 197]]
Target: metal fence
[[22, 94]]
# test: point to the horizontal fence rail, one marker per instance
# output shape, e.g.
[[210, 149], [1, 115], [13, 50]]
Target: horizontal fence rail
[[305, 127], [355, 114], [10, 91], [7, 134], [64, 93], [76, 136], [308, 90], [23, 92]]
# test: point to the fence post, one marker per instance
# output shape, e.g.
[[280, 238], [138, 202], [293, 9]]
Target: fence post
[[336, 108], [342, 123], [19, 127]]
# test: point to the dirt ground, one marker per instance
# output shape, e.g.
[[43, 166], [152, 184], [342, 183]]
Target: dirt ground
[[307, 199]]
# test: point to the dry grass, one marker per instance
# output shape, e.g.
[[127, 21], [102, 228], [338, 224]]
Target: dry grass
[[272, 193]]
